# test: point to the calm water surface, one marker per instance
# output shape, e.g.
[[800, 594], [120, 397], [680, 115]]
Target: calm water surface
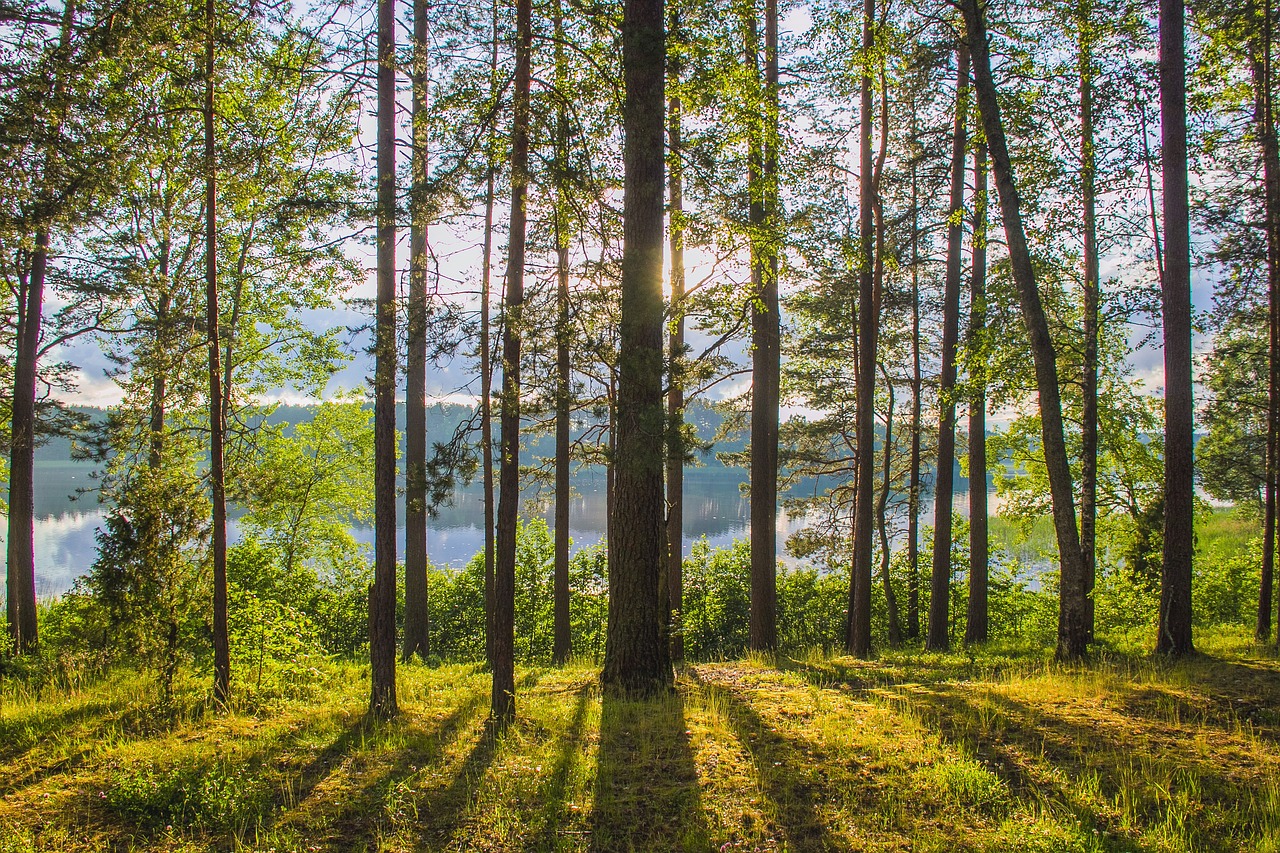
[[714, 507]]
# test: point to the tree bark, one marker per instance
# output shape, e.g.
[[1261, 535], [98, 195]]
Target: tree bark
[[417, 625], [858, 641], [913, 484], [882, 504], [503, 697], [766, 333], [938, 638], [637, 661], [21, 569], [675, 392], [1072, 639], [1092, 295], [217, 417], [1175, 299], [486, 365], [976, 626], [382, 593], [1265, 117], [562, 644]]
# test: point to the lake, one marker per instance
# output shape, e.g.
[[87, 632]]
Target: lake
[[714, 507]]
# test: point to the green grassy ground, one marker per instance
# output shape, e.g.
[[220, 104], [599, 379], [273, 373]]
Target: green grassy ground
[[992, 751]]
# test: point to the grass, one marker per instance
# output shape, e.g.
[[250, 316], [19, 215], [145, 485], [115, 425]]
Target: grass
[[996, 750]]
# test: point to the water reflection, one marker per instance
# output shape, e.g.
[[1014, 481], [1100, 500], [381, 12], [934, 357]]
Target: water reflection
[[715, 507]]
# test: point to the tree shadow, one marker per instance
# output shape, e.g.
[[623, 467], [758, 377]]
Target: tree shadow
[[647, 795], [786, 769], [1039, 754], [552, 795], [448, 806], [1224, 694]]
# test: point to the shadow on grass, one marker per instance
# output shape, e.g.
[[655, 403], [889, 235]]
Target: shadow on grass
[[379, 800], [785, 768], [646, 791], [448, 806], [552, 795], [1144, 783]]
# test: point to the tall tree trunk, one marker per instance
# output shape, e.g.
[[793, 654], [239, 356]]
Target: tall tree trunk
[[944, 475], [1092, 295], [675, 392], [1072, 639], [21, 575], [503, 698], [636, 660], [1175, 299], [562, 645], [382, 593], [417, 625], [858, 641], [913, 483], [976, 626], [766, 333], [486, 363], [217, 417], [882, 505], [1265, 117]]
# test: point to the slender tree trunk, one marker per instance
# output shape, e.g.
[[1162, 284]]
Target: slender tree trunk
[[636, 660], [858, 641], [1179, 413], [913, 486], [20, 568], [940, 585], [976, 627], [675, 392], [382, 593], [1072, 639], [217, 417], [21, 577], [562, 645], [766, 332], [486, 365], [503, 697], [1271, 182], [882, 505], [1092, 295], [417, 625]]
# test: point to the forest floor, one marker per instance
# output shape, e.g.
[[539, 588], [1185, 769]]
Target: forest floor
[[992, 751]]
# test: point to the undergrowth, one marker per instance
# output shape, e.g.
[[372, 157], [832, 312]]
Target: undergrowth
[[991, 750]]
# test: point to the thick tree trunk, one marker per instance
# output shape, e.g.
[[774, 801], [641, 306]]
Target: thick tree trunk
[[1072, 638], [562, 645], [1179, 414], [637, 661], [486, 365], [858, 641], [675, 392], [217, 417], [417, 626], [944, 475], [766, 332], [21, 576], [382, 593], [976, 626], [1092, 293], [503, 697]]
